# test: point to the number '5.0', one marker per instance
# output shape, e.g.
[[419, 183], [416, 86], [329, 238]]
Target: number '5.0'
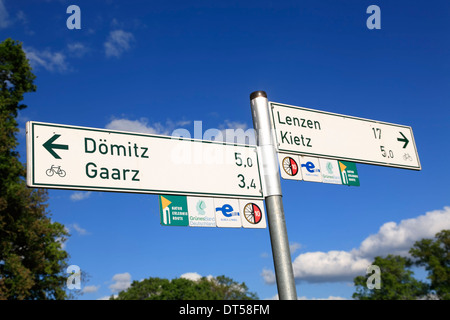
[[239, 162]]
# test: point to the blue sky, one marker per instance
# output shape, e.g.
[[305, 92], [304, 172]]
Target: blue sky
[[156, 66]]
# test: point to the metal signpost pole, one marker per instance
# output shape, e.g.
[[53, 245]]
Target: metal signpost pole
[[274, 205]]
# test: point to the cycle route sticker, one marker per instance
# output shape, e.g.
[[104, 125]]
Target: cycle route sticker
[[289, 166]]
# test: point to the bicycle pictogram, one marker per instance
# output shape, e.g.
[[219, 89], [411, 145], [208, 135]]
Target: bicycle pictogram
[[252, 213], [55, 169], [290, 166], [407, 156]]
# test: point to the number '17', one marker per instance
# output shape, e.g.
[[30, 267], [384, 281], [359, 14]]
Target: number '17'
[[377, 133]]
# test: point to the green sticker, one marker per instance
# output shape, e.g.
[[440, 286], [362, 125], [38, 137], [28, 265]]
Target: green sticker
[[173, 210], [349, 173]]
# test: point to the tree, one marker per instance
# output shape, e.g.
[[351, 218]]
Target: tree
[[220, 288], [434, 255], [397, 281], [397, 278], [32, 260]]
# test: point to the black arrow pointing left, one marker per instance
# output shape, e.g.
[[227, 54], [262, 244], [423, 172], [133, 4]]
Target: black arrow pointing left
[[49, 146]]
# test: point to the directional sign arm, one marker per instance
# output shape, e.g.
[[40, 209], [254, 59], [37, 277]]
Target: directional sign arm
[[49, 146], [107, 160], [404, 139], [316, 133]]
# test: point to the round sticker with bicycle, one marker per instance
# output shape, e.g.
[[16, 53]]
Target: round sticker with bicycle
[[252, 213], [290, 166], [55, 170]]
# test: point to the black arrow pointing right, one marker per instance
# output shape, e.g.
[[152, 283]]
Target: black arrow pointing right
[[404, 139]]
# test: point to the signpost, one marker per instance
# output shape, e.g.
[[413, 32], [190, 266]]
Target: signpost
[[284, 272], [214, 184], [69, 157], [322, 134]]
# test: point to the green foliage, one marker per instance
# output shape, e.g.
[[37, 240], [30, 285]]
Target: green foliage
[[434, 255], [220, 288], [31, 257], [397, 278], [397, 281]]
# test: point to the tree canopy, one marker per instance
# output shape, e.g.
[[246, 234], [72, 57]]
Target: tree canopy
[[219, 288], [397, 277], [434, 255], [32, 260]]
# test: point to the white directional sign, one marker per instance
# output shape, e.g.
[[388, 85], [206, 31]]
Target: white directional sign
[[69, 157], [316, 133]]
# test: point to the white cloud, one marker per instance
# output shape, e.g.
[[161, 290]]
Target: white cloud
[[331, 266], [4, 16], [7, 21], [391, 238], [80, 195], [228, 124], [51, 61], [235, 132], [77, 49], [268, 276], [122, 282], [117, 43], [229, 131], [78, 229], [142, 126], [294, 246], [399, 238], [194, 276], [90, 289], [21, 16]]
